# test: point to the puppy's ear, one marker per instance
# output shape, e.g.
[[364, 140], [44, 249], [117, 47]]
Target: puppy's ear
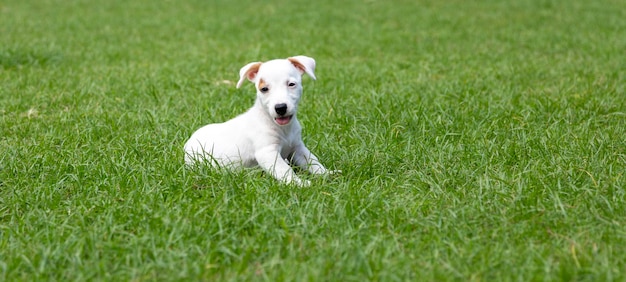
[[249, 71], [304, 64]]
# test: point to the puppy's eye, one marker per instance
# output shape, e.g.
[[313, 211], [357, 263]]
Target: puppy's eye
[[291, 84], [264, 89]]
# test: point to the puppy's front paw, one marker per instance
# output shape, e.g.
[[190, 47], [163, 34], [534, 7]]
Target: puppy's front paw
[[334, 172]]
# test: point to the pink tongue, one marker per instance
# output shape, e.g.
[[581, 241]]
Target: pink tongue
[[283, 120]]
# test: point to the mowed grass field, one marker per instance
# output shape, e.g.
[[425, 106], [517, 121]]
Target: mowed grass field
[[479, 140]]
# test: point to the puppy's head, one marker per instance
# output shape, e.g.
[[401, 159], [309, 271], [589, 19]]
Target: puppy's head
[[279, 84]]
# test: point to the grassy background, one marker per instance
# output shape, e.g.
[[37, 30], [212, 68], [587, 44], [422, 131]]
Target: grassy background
[[479, 140]]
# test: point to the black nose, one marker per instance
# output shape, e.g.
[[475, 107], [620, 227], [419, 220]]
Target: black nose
[[281, 109]]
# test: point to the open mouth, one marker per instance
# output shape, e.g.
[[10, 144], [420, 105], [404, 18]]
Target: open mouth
[[283, 120]]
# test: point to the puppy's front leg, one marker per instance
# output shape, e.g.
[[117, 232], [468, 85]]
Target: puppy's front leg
[[270, 160], [303, 158]]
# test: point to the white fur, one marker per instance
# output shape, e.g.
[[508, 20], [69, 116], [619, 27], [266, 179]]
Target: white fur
[[256, 137]]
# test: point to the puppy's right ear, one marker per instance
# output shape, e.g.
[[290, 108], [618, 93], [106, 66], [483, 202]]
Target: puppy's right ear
[[249, 71]]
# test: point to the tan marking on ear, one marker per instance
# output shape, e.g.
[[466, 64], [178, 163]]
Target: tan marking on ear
[[297, 64], [252, 71]]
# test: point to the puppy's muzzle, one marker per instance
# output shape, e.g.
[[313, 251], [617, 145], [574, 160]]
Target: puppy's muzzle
[[281, 109]]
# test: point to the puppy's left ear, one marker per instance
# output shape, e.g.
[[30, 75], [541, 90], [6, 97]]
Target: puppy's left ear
[[304, 64], [249, 71]]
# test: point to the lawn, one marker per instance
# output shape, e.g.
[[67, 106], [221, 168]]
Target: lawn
[[479, 140]]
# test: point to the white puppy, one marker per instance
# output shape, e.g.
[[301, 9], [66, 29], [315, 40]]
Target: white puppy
[[268, 134]]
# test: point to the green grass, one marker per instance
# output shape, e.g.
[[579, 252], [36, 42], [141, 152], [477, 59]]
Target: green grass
[[479, 140]]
